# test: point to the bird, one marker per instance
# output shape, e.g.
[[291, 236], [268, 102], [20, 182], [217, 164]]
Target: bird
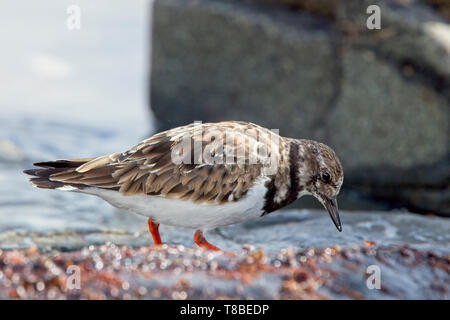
[[203, 176]]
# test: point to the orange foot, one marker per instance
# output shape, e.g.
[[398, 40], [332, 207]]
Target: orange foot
[[202, 243], [153, 228]]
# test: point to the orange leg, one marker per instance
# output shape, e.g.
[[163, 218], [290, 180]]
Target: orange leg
[[153, 228], [202, 243]]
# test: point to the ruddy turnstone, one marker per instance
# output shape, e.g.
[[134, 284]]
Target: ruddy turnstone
[[203, 176]]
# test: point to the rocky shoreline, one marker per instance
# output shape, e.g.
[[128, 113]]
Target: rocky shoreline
[[175, 272], [296, 255]]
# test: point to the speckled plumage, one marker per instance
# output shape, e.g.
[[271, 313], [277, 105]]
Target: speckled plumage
[[204, 175]]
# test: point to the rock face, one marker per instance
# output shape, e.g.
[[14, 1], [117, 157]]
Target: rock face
[[380, 98]]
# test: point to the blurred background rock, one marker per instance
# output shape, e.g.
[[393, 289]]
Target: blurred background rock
[[380, 98]]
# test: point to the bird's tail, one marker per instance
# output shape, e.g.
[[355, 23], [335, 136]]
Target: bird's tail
[[41, 177]]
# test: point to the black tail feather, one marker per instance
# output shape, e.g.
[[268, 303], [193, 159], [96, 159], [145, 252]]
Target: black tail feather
[[44, 183], [65, 164], [41, 177]]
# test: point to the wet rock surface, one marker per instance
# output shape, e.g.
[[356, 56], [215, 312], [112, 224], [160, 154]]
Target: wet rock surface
[[380, 98], [293, 255], [175, 272], [287, 228]]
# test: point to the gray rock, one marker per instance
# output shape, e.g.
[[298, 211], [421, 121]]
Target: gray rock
[[411, 32], [199, 69], [405, 128], [380, 98]]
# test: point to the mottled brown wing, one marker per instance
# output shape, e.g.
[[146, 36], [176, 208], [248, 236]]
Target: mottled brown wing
[[183, 163]]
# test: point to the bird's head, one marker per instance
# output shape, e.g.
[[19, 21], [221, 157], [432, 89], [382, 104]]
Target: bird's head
[[322, 176]]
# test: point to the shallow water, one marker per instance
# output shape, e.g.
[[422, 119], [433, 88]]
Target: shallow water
[[68, 93], [35, 139]]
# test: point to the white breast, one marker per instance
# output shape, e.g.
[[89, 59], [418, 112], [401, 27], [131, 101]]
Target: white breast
[[183, 213]]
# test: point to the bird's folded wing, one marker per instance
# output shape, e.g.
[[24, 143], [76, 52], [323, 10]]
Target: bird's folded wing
[[182, 163]]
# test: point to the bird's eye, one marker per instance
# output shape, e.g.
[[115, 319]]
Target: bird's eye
[[326, 177]]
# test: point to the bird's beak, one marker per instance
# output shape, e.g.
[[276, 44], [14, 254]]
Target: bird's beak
[[332, 208]]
